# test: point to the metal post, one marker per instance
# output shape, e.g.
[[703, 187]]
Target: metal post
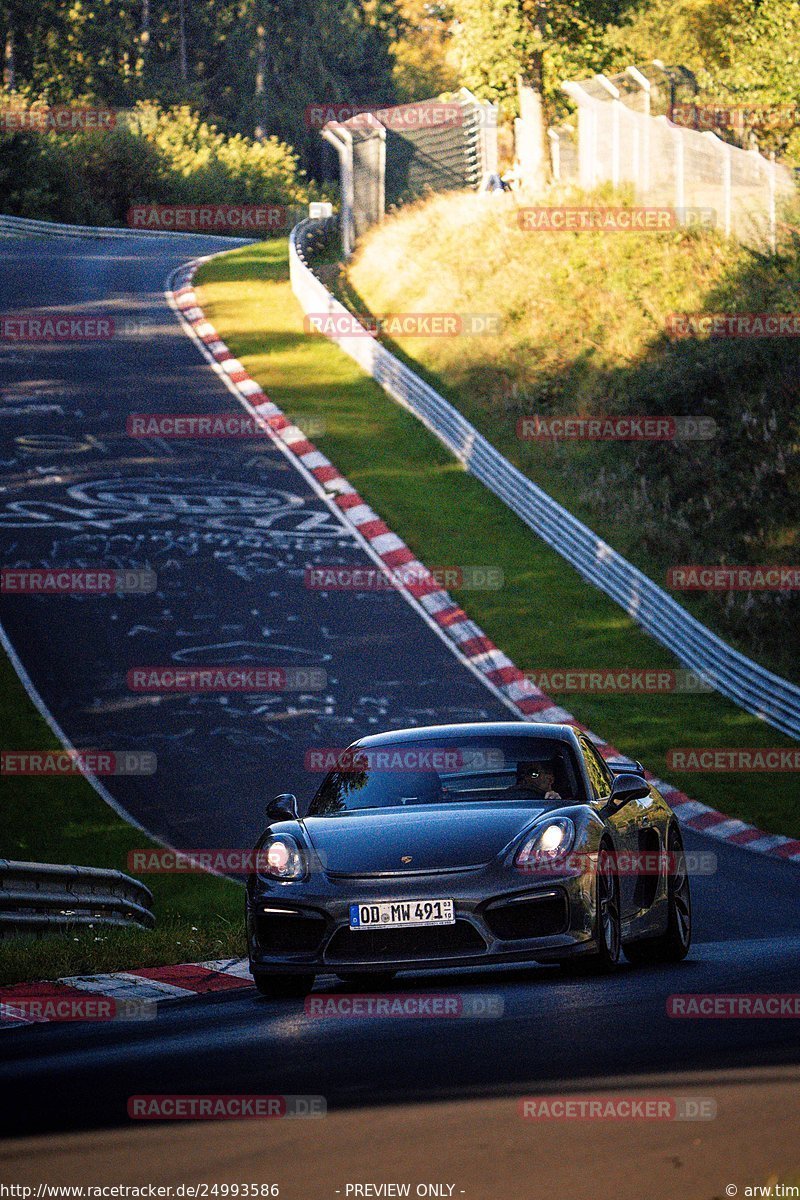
[[587, 132], [182, 62], [643, 160], [727, 197], [614, 93], [382, 175], [555, 153], [342, 141], [773, 213], [644, 84], [680, 173], [615, 142]]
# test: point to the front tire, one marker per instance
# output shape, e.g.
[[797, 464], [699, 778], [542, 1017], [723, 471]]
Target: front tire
[[283, 987], [672, 946], [608, 922]]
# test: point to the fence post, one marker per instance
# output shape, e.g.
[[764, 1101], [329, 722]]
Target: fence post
[[727, 177], [615, 141], [615, 125], [587, 132], [555, 154], [529, 130], [773, 215], [488, 137], [342, 141], [642, 171], [680, 172], [636, 166]]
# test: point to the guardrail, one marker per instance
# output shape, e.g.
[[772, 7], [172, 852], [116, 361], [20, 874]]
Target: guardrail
[[13, 226], [16, 225], [731, 673], [39, 897]]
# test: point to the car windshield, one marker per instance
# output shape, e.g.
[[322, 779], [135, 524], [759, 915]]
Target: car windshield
[[409, 774]]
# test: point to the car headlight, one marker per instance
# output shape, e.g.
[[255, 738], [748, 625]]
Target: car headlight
[[281, 858], [548, 841]]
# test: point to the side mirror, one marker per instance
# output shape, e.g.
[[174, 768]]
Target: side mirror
[[626, 787], [283, 808]]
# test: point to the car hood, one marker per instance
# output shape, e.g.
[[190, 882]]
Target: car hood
[[436, 837]]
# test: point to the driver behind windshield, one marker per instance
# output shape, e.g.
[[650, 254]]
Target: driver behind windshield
[[537, 779]]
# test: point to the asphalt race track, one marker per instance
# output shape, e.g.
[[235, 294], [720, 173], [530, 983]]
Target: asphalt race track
[[552, 1029], [229, 529]]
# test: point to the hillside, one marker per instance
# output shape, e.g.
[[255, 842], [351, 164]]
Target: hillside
[[584, 332]]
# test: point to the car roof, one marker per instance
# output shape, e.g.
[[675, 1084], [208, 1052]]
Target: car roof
[[521, 729]]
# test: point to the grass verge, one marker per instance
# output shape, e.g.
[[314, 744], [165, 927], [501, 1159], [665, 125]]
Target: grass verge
[[63, 820], [584, 329], [545, 616]]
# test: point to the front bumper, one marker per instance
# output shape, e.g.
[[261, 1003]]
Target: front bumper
[[500, 917]]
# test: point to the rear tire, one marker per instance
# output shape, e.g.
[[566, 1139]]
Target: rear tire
[[372, 980], [672, 946], [283, 987]]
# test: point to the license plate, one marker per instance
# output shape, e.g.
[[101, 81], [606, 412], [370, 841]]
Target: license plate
[[397, 914]]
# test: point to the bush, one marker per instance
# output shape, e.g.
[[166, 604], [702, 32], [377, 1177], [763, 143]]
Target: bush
[[159, 156]]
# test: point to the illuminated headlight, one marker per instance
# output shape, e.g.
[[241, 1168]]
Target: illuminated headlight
[[549, 841], [281, 858]]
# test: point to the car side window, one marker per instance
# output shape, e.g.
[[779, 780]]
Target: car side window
[[599, 774]]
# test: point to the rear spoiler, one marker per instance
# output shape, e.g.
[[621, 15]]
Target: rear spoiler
[[624, 766]]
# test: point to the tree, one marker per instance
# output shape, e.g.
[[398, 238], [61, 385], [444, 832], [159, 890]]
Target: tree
[[545, 41], [744, 53]]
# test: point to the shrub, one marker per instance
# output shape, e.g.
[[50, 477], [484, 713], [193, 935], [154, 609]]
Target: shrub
[[154, 155]]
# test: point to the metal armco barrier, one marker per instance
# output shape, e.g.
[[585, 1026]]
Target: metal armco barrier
[[41, 897], [15, 226], [26, 225], [731, 673]]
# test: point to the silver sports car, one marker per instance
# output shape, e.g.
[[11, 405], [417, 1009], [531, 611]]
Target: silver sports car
[[459, 845]]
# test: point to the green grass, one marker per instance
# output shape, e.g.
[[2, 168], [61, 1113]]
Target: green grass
[[583, 332], [63, 820], [545, 616]]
